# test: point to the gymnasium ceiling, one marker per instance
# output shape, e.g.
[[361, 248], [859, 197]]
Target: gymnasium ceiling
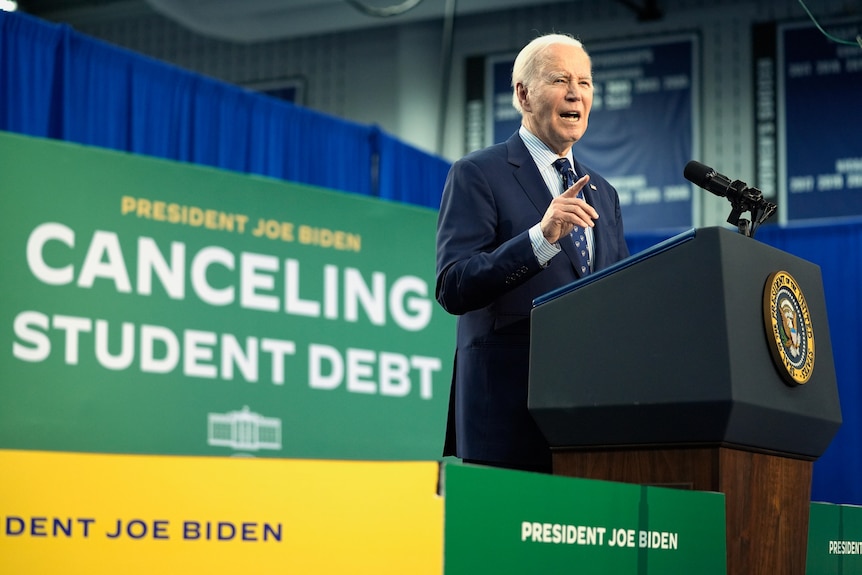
[[263, 20]]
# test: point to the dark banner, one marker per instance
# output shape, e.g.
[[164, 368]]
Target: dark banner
[[819, 87]]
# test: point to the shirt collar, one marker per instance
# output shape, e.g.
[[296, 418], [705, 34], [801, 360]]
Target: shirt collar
[[541, 153]]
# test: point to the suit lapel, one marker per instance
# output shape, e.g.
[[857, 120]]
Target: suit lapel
[[590, 190], [534, 187], [593, 197], [527, 174]]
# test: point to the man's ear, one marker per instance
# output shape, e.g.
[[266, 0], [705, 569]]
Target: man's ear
[[521, 90]]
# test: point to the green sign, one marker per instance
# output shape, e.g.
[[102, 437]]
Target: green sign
[[500, 521], [150, 306], [834, 540]]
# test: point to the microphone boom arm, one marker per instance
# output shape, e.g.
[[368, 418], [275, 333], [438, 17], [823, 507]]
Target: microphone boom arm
[[742, 198], [745, 199]]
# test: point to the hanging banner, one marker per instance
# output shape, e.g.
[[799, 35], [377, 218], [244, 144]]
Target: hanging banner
[[820, 160], [642, 125], [155, 307]]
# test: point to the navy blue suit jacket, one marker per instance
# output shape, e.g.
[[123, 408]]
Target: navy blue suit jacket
[[488, 275]]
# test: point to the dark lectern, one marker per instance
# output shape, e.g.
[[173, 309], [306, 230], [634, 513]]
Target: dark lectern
[[664, 370]]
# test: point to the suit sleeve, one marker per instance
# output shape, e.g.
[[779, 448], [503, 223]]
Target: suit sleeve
[[481, 253]]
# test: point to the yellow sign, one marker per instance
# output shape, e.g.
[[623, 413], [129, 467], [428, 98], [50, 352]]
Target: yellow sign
[[93, 513]]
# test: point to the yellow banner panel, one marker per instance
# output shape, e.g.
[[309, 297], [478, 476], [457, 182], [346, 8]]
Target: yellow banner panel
[[94, 513]]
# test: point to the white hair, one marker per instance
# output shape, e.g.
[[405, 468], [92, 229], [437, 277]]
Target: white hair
[[531, 60]]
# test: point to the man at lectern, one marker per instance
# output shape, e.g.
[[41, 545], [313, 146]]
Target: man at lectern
[[517, 220]]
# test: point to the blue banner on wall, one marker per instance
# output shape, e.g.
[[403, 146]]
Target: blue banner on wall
[[820, 82], [642, 124]]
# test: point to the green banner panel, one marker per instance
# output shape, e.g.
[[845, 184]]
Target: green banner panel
[[834, 540], [150, 306], [500, 521]]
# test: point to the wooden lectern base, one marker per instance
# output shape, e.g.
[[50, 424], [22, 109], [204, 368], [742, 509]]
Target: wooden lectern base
[[767, 497]]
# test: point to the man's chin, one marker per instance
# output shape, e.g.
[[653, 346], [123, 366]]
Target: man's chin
[[573, 135]]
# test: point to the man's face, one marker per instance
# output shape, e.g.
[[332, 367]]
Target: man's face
[[557, 105]]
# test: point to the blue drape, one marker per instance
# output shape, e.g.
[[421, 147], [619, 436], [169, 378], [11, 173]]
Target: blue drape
[[59, 84], [409, 173], [837, 249]]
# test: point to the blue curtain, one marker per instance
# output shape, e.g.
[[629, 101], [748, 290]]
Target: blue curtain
[[56, 83], [410, 175], [837, 249]]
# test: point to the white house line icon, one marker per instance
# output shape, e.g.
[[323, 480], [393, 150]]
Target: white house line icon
[[244, 430]]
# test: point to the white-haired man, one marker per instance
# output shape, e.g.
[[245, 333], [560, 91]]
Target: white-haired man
[[517, 220]]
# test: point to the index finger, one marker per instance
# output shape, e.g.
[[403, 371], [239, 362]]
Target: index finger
[[577, 187]]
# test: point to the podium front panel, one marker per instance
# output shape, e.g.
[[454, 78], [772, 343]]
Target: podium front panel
[[674, 350]]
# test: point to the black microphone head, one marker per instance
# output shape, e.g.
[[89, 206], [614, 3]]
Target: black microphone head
[[697, 173]]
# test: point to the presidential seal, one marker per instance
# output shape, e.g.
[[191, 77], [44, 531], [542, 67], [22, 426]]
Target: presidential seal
[[788, 328]]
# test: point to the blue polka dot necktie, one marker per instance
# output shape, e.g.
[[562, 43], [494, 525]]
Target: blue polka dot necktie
[[582, 253]]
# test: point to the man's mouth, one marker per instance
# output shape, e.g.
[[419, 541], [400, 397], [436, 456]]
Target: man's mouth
[[571, 115]]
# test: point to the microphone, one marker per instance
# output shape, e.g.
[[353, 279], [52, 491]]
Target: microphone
[[705, 177], [742, 197]]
